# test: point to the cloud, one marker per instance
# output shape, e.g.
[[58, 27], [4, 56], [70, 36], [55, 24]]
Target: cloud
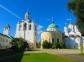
[[39, 29], [10, 11]]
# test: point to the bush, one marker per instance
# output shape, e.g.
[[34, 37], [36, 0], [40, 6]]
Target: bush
[[58, 44], [61, 44], [38, 44], [54, 45], [19, 44], [46, 44]]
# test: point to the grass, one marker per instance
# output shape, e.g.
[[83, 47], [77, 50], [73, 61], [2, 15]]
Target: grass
[[45, 57], [32, 57], [81, 54]]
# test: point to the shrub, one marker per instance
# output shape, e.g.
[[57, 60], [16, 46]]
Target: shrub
[[46, 44], [19, 44]]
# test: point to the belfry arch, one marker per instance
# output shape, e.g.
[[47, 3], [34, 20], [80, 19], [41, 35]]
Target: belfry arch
[[25, 26]]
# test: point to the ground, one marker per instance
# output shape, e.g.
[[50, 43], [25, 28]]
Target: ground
[[46, 55]]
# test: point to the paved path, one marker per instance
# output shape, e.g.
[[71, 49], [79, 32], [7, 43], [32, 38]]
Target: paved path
[[71, 53]]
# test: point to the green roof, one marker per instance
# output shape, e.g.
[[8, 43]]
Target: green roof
[[6, 35], [52, 25]]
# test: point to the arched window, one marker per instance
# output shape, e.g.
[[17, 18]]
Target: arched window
[[30, 27], [19, 27], [25, 26], [57, 40], [52, 40]]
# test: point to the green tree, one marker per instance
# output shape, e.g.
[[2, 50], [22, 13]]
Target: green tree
[[46, 44], [61, 44], [54, 45], [19, 44], [77, 8], [38, 44]]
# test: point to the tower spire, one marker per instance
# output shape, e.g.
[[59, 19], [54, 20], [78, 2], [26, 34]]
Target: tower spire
[[27, 15]]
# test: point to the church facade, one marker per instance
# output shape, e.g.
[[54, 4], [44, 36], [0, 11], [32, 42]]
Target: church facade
[[51, 35], [5, 38], [72, 37], [26, 29]]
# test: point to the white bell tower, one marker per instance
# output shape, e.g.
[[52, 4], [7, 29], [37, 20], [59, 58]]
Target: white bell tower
[[7, 30]]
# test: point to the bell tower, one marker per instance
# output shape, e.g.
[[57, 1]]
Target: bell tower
[[7, 30]]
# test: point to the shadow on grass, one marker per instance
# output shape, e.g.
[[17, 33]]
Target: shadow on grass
[[11, 56]]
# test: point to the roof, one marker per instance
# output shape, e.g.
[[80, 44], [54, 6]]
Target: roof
[[52, 25], [6, 35]]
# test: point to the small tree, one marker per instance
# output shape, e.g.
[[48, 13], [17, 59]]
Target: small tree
[[54, 45], [38, 44], [58, 44], [19, 44], [46, 44], [61, 44]]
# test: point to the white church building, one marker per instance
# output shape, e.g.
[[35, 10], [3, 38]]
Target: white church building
[[26, 29], [5, 38], [72, 36]]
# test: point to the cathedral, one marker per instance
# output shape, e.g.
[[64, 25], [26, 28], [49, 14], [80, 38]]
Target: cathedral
[[72, 36], [51, 35], [26, 29]]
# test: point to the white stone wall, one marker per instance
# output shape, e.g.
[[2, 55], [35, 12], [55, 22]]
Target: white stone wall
[[73, 36], [6, 30], [4, 42], [28, 34]]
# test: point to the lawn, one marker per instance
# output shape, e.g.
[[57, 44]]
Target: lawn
[[45, 57], [37, 57]]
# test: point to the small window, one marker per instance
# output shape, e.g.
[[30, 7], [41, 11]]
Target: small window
[[25, 26], [19, 27], [30, 27], [52, 40], [58, 40]]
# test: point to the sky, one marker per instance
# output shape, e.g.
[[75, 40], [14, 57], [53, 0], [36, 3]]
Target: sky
[[42, 11]]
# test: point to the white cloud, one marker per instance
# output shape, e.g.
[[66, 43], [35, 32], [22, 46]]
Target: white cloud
[[39, 32], [39, 29]]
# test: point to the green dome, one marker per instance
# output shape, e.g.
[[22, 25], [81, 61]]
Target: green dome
[[52, 26]]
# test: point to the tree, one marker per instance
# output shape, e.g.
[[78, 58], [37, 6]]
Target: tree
[[54, 45], [19, 44], [61, 44], [58, 44], [46, 44], [77, 8], [38, 44]]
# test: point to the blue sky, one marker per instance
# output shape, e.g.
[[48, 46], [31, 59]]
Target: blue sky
[[41, 11]]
